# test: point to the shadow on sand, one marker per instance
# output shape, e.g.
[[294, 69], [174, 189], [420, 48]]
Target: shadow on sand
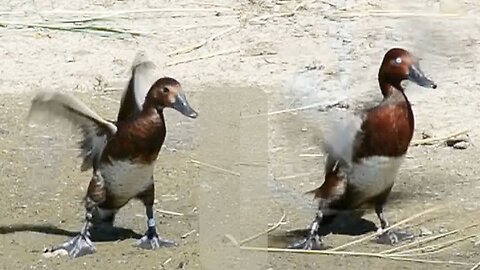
[[98, 233], [343, 224]]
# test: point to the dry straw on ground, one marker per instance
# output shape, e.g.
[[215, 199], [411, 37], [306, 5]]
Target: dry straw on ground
[[405, 255]]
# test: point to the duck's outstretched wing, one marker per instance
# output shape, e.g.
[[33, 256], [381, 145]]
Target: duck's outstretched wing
[[142, 78], [341, 134], [95, 129]]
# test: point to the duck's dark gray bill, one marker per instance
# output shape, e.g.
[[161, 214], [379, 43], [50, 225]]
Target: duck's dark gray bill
[[416, 75], [181, 105]]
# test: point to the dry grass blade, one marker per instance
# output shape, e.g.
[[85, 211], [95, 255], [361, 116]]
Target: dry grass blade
[[70, 28], [167, 261], [203, 57], [433, 248], [274, 227], [214, 167], [132, 11], [252, 164], [161, 211], [351, 253], [476, 266], [311, 155], [428, 239], [232, 239], [84, 20], [439, 139], [276, 15], [371, 236], [293, 176], [387, 13], [185, 235], [202, 43], [307, 107], [196, 26]]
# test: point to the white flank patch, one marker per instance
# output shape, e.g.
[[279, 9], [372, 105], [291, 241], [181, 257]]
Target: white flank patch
[[126, 179], [374, 174]]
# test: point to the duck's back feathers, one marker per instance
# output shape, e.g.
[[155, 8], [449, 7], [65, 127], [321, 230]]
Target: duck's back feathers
[[95, 129]]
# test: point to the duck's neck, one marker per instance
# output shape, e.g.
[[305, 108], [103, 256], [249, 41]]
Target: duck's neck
[[394, 94], [152, 122], [388, 86], [153, 116]]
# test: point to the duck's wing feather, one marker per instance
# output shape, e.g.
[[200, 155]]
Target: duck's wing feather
[[95, 130], [141, 79], [341, 135]]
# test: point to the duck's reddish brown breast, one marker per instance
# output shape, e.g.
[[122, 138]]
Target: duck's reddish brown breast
[[139, 141], [387, 129]]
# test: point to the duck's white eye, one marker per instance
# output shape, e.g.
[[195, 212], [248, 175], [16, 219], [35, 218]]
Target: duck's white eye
[[398, 60]]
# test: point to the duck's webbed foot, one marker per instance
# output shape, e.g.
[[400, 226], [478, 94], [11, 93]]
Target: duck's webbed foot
[[390, 237], [81, 244], [78, 246], [151, 240], [313, 240]]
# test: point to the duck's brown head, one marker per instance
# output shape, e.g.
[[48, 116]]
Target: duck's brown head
[[398, 65], [167, 93]]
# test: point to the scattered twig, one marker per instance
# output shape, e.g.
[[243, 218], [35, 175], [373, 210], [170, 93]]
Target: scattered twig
[[277, 15], [187, 234], [253, 164], [210, 4], [439, 139], [476, 266], [286, 177], [71, 28], [311, 155], [303, 108], [371, 236], [390, 13], [202, 43], [84, 20], [212, 25], [203, 57], [351, 253], [214, 167], [274, 227], [416, 243], [167, 261], [50, 148], [161, 211], [232, 239], [435, 247], [132, 11]]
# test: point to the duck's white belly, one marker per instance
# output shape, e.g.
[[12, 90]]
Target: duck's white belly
[[373, 175], [125, 179]]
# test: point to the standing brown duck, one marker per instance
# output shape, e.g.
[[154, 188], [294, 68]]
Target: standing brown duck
[[122, 154], [364, 152]]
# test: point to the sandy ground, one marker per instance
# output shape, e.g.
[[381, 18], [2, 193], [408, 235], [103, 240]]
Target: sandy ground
[[272, 59]]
